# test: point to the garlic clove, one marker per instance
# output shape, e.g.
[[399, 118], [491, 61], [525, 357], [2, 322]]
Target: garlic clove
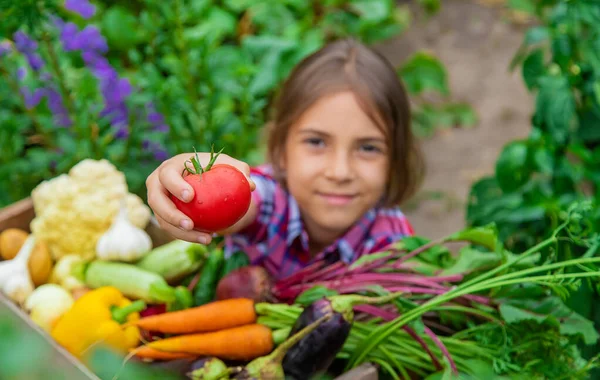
[[123, 241]]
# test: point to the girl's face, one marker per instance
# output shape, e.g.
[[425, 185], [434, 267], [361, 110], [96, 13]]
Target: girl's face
[[336, 164]]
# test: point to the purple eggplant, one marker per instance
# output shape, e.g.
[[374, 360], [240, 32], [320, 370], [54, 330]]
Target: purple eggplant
[[269, 367], [313, 355]]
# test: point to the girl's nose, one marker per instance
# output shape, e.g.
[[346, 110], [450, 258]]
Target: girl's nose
[[339, 167]]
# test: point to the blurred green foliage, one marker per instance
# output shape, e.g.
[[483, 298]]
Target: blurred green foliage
[[193, 73], [537, 178]]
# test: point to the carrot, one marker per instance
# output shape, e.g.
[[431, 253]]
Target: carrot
[[213, 316], [144, 352], [237, 343]]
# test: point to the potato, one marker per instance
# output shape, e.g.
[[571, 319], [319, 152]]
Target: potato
[[40, 264], [11, 241]]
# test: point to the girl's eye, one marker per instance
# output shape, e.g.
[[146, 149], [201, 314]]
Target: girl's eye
[[314, 141], [370, 148]]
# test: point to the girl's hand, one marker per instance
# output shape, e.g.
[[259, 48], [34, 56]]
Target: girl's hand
[[167, 179]]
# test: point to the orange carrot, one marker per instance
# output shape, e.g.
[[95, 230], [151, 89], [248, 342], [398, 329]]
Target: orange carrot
[[237, 343], [212, 316], [144, 352]]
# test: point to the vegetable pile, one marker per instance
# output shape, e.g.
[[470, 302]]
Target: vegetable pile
[[459, 306]]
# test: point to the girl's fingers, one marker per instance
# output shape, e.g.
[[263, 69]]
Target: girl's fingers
[[178, 233], [163, 207], [170, 178]]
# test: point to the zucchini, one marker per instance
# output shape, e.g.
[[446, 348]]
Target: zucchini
[[132, 281], [174, 260]]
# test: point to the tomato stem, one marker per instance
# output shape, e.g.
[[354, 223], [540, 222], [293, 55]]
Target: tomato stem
[[213, 157], [195, 161]]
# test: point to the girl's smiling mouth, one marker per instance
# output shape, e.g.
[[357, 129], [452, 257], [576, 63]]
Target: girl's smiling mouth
[[337, 199]]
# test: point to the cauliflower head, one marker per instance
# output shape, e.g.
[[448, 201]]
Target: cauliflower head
[[73, 210]]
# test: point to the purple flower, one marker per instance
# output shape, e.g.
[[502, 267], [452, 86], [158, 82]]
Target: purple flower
[[159, 153], [68, 36], [23, 43], [35, 61], [28, 46], [90, 39], [156, 120], [55, 103], [98, 64], [122, 133], [82, 7], [32, 99], [92, 45], [57, 21], [21, 73], [5, 48]]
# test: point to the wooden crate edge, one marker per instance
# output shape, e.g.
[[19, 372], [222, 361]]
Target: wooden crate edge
[[17, 215]]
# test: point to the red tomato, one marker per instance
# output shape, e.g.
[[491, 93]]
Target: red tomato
[[221, 198]]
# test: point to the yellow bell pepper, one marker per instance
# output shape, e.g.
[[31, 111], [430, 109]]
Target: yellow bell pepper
[[95, 319]]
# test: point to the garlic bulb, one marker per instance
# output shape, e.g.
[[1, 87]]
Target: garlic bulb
[[15, 280], [123, 241]]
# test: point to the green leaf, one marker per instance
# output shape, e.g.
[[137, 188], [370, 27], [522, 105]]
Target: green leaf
[[463, 115], [588, 130], [555, 106], [217, 25], [475, 369], [544, 160], [267, 78], [240, 5], [120, 27], [372, 10], [272, 18], [549, 310], [536, 34], [486, 236], [470, 260], [527, 6], [431, 6], [521, 214], [366, 259], [314, 294], [562, 49], [424, 72], [258, 46], [533, 68], [511, 167]]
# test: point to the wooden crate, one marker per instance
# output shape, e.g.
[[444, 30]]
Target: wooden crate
[[19, 215]]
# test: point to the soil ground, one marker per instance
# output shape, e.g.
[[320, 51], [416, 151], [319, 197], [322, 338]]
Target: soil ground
[[476, 41]]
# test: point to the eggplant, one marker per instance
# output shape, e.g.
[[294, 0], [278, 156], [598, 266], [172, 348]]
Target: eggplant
[[270, 367], [313, 355]]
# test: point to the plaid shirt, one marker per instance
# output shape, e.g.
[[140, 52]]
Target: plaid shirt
[[278, 241]]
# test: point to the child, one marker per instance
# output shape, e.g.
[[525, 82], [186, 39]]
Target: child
[[341, 157]]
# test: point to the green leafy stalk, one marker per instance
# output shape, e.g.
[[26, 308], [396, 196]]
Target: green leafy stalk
[[36, 124], [66, 95], [380, 333]]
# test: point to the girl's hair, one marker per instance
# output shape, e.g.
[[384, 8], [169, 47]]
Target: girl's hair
[[349, 65]]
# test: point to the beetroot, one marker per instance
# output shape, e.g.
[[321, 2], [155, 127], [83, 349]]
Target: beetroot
[[247, 282], [147, 312]]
